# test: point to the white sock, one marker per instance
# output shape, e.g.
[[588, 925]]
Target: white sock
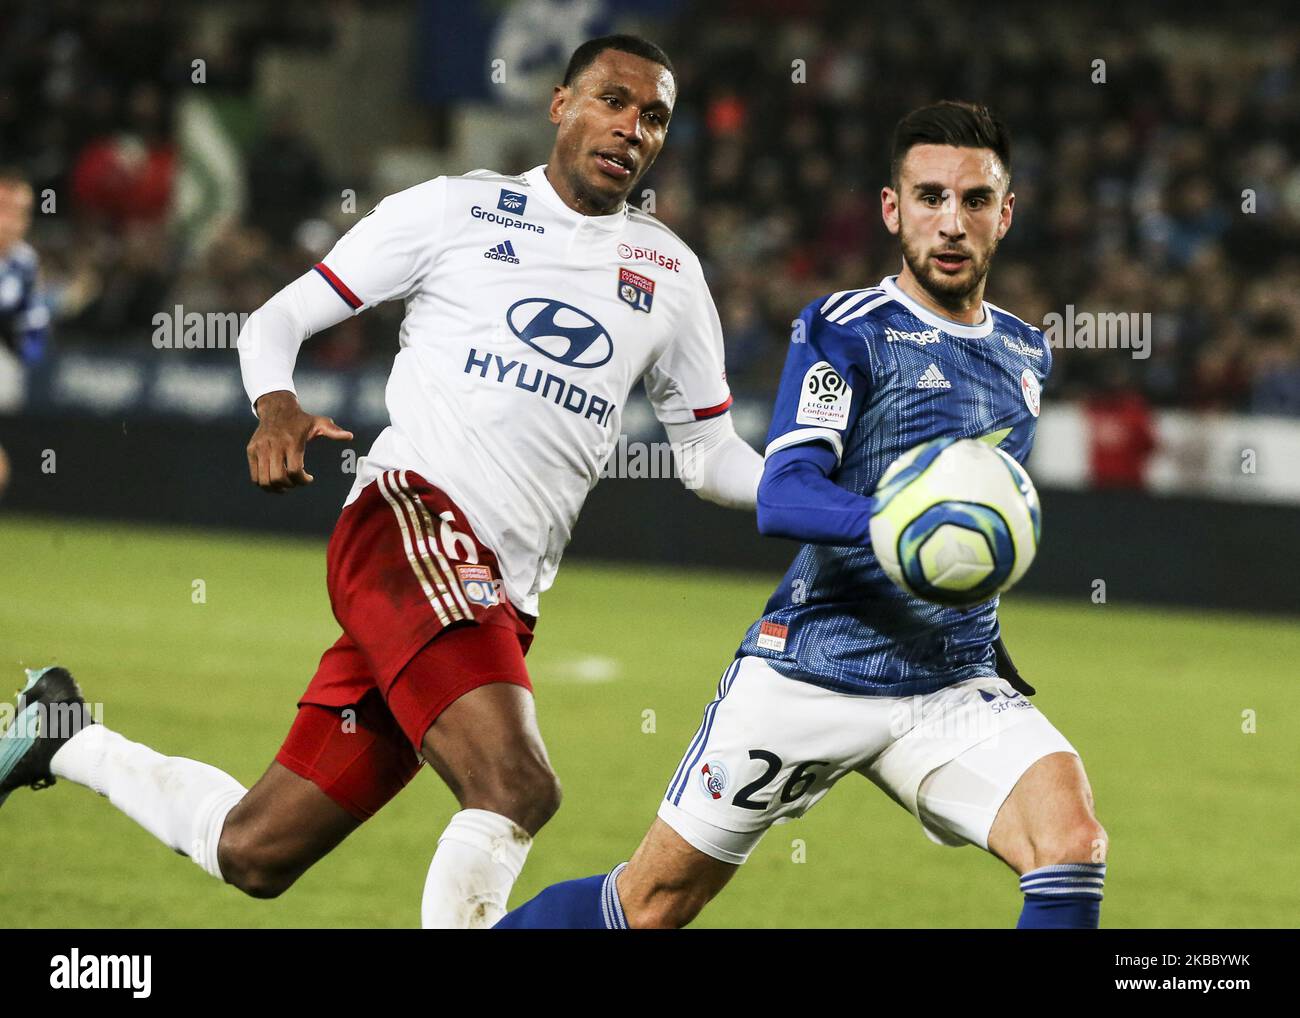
[[182, 803], [479, 858]]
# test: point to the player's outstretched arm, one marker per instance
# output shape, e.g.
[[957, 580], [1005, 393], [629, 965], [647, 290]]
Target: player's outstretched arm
[[383, 257], [268, 348], [277, 449], [715, 462], [797, 499]]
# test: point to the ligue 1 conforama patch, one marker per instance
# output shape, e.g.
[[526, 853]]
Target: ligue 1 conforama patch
[[478, 585], [713, 779], [636, 290], [825, 398], [1031, 390]]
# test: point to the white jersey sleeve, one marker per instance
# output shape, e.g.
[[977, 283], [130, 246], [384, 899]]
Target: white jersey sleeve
[[269, 341], [384, 256], [387, 254], [689, 380]]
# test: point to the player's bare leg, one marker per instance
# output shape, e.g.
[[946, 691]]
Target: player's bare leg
[[259, 840], [668, 881], [1048, 818], [487, 747], [1047, 832], [282, 827], [181, 802]]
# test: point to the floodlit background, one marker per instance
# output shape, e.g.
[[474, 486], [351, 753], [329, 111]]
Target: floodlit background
[[195, 157]]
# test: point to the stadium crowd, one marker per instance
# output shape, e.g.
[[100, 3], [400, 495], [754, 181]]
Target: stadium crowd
[[1172, 186]]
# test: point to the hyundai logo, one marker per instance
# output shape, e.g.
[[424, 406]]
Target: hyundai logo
[[560, 331]]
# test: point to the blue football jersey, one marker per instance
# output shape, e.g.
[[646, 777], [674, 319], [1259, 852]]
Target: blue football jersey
[[24, 318], [871, 373]]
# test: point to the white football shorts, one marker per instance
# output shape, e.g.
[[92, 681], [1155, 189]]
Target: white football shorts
[[770, 747]]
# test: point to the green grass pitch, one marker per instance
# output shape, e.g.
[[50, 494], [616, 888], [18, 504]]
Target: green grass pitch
[[1202, 815]]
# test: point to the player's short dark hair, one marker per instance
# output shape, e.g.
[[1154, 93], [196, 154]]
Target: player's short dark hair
[[585, 55], [966, 125], [12, 175]]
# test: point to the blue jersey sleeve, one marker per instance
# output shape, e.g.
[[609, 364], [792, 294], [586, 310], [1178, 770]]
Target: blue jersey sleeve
[[822, 386], [797, 499], [33, 322]]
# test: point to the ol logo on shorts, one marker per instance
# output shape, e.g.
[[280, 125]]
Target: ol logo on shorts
[[478, 584]]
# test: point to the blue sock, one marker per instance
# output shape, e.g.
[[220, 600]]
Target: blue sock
[[1063, 897], [587, 904]]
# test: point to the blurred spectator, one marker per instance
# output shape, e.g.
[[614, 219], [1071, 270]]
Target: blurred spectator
[[285, 179], [127, 177], [1121, 433]]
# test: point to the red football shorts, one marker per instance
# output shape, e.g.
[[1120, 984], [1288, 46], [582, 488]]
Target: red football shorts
[[425, 620]]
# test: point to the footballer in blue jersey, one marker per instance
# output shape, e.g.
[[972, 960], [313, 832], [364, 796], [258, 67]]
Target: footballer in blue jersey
[[871, 373], [24, 318], [845, 671]]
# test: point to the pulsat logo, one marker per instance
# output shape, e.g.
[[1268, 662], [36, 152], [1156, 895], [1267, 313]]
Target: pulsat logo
[[560, 331], [630, 253]]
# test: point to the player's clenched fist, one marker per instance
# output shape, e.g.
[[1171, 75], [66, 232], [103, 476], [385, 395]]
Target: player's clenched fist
[[275, 452]]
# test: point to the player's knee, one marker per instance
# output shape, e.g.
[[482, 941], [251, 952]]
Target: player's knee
[[522, 787], [247, 864], [1081, 840], [541, 794]]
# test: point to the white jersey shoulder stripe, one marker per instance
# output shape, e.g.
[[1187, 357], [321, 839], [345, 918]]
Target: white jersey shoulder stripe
[[833, 298], [845, 306], [842, 298], [867, 308]]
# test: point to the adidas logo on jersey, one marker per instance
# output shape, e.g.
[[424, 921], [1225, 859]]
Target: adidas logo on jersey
[[932, 378], [503, 252]]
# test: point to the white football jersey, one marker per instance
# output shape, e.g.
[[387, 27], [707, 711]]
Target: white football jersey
[[527, 325]]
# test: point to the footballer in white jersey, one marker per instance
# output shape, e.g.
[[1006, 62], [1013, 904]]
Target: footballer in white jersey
[[527, 326], [534, 305]]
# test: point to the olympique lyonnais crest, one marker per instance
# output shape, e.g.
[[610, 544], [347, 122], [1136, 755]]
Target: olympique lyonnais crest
[[636, 289], [478, 585]]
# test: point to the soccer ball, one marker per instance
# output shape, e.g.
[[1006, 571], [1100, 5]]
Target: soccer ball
[[956, 521]]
